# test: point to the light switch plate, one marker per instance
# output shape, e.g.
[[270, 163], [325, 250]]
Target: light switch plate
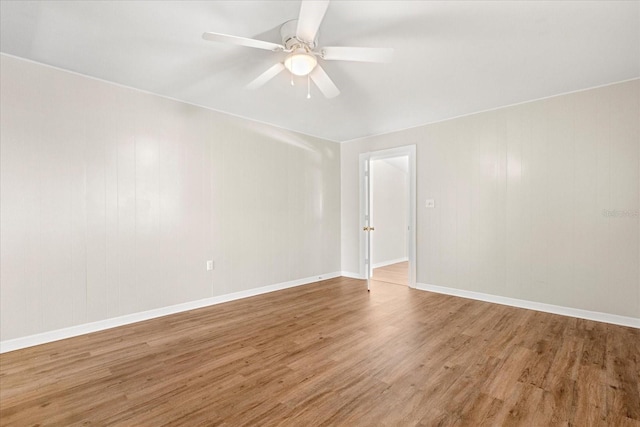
[[209, 265], [430, 203]]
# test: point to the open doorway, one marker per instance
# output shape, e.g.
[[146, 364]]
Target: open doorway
[[388, 197], [389, 211]]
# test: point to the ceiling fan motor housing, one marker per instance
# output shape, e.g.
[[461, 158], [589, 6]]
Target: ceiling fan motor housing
[[289, 39]]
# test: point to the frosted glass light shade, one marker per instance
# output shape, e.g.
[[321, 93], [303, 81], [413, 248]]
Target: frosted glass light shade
[[300, 62]]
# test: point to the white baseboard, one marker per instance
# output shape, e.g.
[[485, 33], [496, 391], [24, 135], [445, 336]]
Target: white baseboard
[[393, 261], [615, 319], [87, 328], [352, 275]]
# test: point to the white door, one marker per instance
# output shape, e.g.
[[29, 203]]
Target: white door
[[367, 227]]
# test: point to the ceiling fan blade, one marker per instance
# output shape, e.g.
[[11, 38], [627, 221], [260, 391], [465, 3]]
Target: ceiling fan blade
[[242, 41], [324, 83], [310, 18], [363, 54], [266, 76]]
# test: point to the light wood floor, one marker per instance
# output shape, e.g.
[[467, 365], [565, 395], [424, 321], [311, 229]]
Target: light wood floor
[[332, 354], [397, 274]]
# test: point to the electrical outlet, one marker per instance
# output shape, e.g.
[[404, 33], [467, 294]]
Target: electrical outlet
[[209, 265]]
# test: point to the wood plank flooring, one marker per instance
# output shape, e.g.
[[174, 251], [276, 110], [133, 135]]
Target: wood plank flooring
[[332, 354], [397, 273]]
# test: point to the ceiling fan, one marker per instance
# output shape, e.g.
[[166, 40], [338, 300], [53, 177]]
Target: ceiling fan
[[299, 40]]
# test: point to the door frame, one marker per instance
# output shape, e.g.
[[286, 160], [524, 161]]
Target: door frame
[[364, 160]]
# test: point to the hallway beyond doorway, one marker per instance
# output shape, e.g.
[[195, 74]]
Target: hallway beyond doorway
[[397, 274]]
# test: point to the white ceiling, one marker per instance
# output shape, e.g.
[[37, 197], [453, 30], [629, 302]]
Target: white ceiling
[[451, 58]]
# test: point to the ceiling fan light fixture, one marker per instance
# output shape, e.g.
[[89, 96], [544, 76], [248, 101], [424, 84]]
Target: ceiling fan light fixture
[[300, 62]]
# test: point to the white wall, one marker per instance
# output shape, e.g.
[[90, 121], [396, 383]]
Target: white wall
[[389, 199], [113, 199], [522, 197]]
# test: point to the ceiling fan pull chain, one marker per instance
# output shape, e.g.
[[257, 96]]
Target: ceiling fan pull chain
[[290, 73], [308, 87]]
